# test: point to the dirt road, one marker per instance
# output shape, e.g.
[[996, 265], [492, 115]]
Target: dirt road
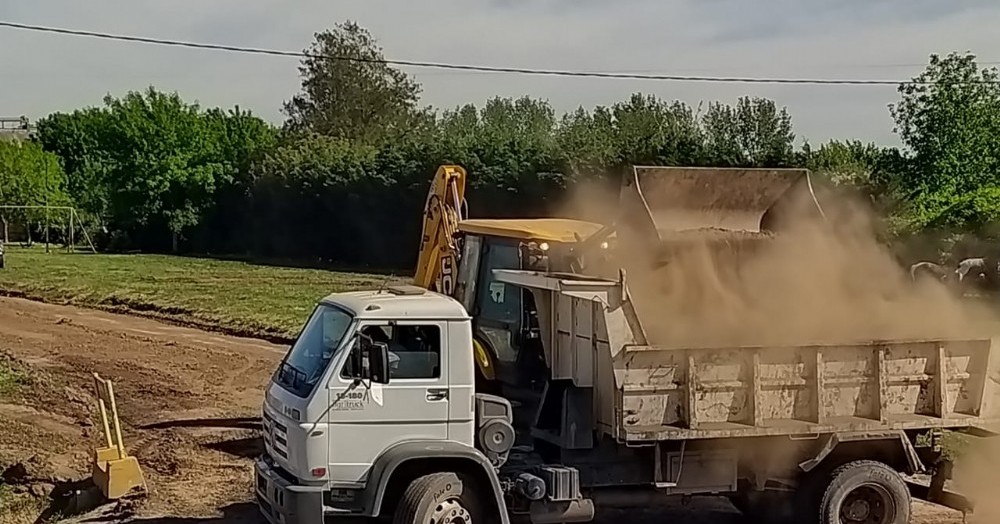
[[189, 401]]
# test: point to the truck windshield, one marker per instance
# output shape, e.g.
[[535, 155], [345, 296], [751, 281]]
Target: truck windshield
[[320, 340]]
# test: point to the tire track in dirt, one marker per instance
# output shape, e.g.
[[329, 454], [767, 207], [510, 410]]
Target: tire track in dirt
[[189, 401]]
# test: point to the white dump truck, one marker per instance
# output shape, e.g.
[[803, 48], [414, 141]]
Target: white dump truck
[[374, 414]]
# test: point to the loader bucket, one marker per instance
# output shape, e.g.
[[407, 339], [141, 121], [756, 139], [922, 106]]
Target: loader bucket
[[661, 203], [116, 473]]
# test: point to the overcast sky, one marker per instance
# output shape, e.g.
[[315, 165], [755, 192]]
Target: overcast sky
[[883, 39]]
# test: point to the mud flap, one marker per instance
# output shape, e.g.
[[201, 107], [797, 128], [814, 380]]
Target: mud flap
[[946, 498]]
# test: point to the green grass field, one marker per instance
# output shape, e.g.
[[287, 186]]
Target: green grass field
[[238, 297]]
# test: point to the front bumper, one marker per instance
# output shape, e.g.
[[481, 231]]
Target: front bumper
[[281, 501]]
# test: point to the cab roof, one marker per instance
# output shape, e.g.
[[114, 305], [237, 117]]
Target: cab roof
[[398, 302], [537, 229]]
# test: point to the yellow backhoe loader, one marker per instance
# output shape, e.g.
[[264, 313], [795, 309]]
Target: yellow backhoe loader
[[658, 206]]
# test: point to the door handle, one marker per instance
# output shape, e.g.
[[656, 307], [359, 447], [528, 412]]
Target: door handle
[[437, 394]]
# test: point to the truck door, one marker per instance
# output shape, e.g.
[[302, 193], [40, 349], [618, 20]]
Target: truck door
[[499, 307], [364, 420]]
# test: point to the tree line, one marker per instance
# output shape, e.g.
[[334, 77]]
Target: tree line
[[343, 180]]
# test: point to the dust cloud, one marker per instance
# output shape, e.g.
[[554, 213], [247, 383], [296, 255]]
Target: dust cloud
[[812, 281], [975, 476]]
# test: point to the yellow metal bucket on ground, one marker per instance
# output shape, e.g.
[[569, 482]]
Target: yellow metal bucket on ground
[[115, 473]]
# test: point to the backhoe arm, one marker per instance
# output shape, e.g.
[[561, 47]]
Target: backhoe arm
[[437, 262]]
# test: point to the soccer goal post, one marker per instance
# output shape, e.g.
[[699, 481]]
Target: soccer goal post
[[64, 212]]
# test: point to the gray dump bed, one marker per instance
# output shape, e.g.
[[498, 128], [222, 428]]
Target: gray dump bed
[[642, 392]]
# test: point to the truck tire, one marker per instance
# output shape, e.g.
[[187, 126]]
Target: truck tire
[[865, 492], [439, 498]]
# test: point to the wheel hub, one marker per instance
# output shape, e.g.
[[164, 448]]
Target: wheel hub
[[858, 510], [868, 504], [450, 512]]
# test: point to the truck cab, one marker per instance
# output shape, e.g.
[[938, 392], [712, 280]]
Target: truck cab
[[371, 375]]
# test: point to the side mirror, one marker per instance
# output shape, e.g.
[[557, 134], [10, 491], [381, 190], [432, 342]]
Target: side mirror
[[374, 361]]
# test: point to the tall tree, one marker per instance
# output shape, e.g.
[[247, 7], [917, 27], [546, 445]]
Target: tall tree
[[509, 147], [166, 162], [586, 142], [349, 92], [649, 130], [755, 133], [29, 176], [242, 139], [949, 121], [79, 139]]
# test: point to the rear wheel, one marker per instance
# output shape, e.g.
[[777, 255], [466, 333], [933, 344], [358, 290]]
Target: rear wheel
[[865, 492], [439, 498]]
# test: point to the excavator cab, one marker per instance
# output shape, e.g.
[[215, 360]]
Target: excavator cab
[[505, 316]]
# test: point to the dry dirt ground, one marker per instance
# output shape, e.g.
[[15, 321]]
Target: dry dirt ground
[[189, 402]]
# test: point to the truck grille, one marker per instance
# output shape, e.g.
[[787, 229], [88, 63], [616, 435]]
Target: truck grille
[[261, 482], [275, 436]]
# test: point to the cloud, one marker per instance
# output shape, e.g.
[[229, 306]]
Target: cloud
[[788, 38]]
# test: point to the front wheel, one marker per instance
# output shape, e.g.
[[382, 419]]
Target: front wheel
[[865, 492], [439, 498]]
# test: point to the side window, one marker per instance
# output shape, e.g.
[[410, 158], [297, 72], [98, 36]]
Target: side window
[[468, 271], [414, 350], [498, 301]]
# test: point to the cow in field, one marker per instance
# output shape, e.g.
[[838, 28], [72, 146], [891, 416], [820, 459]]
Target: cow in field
[[971, 268], [928, 270], [979, 273]]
